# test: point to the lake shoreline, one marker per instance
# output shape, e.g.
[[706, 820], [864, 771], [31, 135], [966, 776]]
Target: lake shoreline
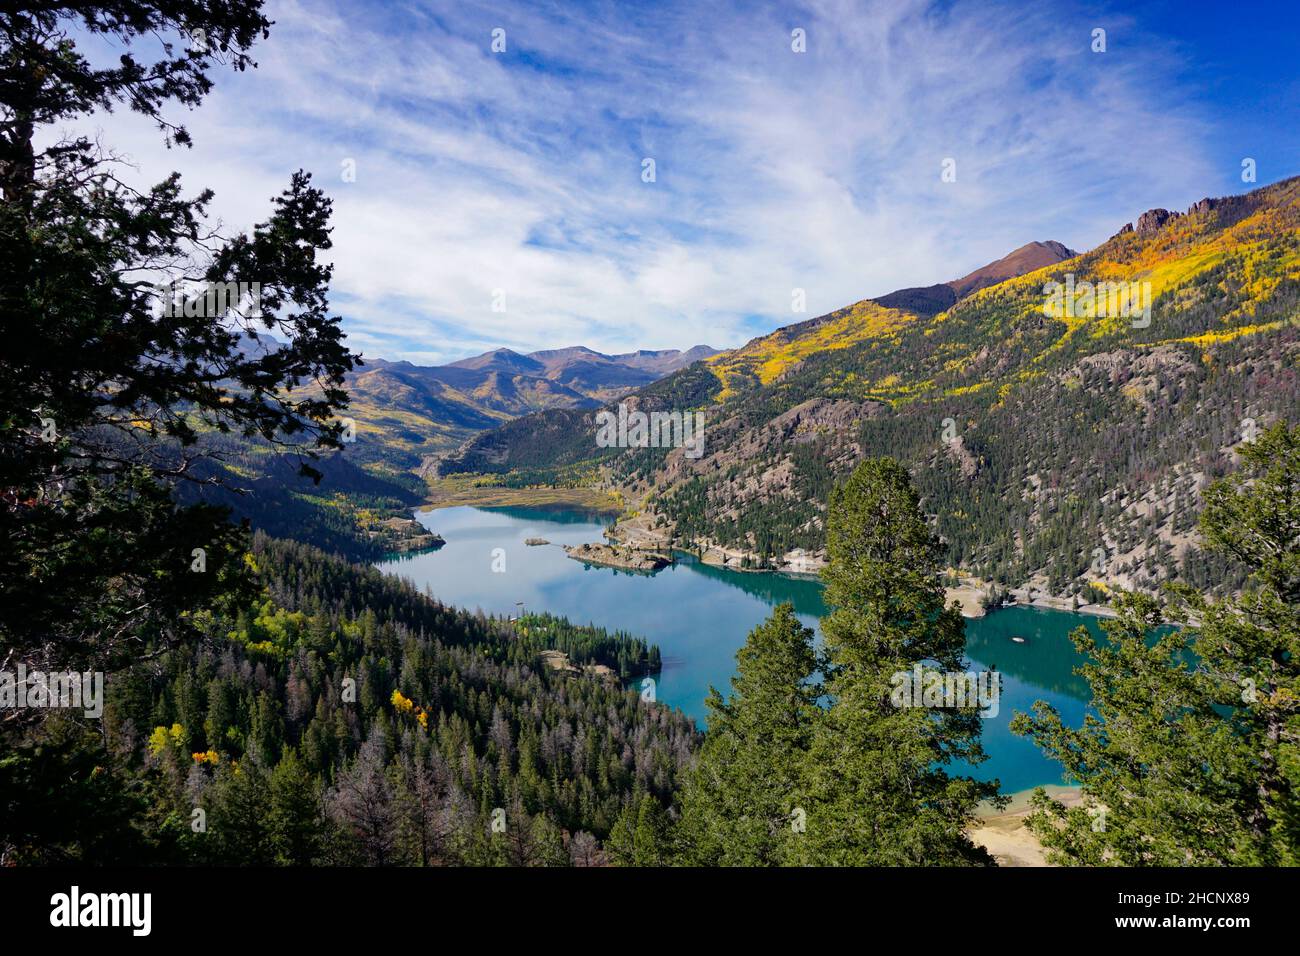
[[712, 611], [1004, 833], [970, 594], [452, 493]]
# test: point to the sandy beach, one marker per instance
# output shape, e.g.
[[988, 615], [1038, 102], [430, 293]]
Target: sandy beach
[[1004, 834]]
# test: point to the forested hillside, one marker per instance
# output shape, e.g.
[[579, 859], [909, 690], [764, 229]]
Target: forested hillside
[[356, 511], [1064, 446], [343, 717]]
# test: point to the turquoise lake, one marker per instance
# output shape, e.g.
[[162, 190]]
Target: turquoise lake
[[700, 615]]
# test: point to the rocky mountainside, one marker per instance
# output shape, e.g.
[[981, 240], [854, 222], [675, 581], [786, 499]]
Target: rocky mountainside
[[1061, 422]]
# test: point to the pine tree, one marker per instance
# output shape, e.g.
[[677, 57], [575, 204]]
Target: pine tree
[[621, 844], [547, 844], [1194, 756], [739, 805], [877, 792], [653, 834], [642, 834], [238, 829], [108, 381], [362, 804], [421, 814], [296, 814]]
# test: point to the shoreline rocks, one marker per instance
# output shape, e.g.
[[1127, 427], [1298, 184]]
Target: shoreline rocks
[[623, 558]]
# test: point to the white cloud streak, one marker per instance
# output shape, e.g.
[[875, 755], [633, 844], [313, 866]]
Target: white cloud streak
[[522, 171]]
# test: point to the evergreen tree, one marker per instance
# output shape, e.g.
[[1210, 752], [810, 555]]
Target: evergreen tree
[[653, 834], [1194, 755], [642, 834], [621, 843], [877, 791], [58, 806], [124, 340], [295, 816], [739, 804], [421, 813], [238, 827], [547, 844]]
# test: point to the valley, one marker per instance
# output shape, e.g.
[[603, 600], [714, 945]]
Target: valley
[[404, 412]]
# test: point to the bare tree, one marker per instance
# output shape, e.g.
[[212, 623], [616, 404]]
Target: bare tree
[[424, 818], [584, 850], [362, 803]]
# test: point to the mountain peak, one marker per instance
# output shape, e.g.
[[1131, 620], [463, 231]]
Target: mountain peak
[[557, 360], [500, 360], [1028, 258], [933, 299]]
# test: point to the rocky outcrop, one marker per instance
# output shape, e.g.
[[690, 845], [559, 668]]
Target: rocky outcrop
[[611, 556], [966, 462], [1151, 221], [1228, 208], [403, 535]]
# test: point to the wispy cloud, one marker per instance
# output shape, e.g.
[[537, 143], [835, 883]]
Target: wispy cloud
[[522, 171]]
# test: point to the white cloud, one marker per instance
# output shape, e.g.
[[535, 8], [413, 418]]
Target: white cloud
[[776, 170]]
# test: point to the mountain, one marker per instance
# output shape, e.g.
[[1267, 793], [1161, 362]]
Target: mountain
[[608, 376], [768, 357], [758, 362], [405, 411], [1028, 258], [664, 361], [560, 363], [933, 299], [502, 360], [1059, 422]]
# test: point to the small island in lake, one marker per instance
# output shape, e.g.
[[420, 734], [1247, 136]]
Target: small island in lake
[[613, 556], [534, 542], [403, 535]]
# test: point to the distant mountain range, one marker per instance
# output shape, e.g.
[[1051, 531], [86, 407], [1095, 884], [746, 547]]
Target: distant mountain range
[[405, 412], [586, 372], [758, 362], [1066, 448]]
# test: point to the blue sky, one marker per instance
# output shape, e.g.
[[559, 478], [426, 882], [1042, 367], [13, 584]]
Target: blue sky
[[516, 176]]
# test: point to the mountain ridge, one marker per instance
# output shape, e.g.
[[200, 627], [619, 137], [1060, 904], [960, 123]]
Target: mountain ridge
[[404, 412], [767, 356]]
